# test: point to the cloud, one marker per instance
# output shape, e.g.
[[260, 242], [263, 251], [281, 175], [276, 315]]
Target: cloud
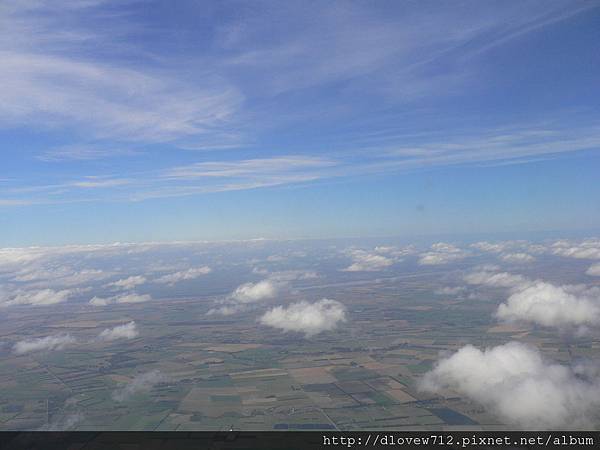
[[485, 246], [255, 292], [442, 253], [586, 249], [49, 83], [140, 383], [538, 302], [126, 331], [305, 317], [514, 382], [103, 85], [227, 310], [247, 294], [594, 270], [189, 274], [517, 258], [48, 343], [58, 276], [368, 262], [286, 276], [129, 283], [64, 422], [552, 306], [42, 297], [83, 153], [131, 297], [491, 278], [455, 290], [99, 301]]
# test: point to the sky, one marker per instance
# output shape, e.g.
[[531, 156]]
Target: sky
[[142, 120]]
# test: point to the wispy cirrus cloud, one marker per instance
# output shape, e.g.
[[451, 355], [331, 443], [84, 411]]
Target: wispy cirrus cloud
[[116, 94]]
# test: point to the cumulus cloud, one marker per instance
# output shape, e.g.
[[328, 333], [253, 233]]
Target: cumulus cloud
[[58, 276], [517, 258], [367, 262], [305, 317], [553, 306], [126, 331], [129, 282], [130, 297], [41, 297], [183, 275], [488, 277], [542, 303], [140, 383], [255, 292], [586, 249], [519, 386], [48, 343], [99, 301], [485, 246], [247, 294], [442, 253], [594, 270]]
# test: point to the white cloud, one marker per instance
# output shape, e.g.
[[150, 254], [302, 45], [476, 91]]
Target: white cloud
[[189, 274], [496, 279], [489, 246], [517, 258], [305, 317], [126, 331], [255, 292], [140, 383], [542, 303], [552, 306], [130, 297], [58, 276], [99, 301], [247, 294], [42, 297], [519, 386], [594, 270], [227, 310], [442, 253], [63, 422], [129, 283], [367, 262], [454, 290], [586, 249], [286, 276], [48, 343]]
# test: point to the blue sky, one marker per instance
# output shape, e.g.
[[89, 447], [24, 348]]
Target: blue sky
[[133, 121]]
